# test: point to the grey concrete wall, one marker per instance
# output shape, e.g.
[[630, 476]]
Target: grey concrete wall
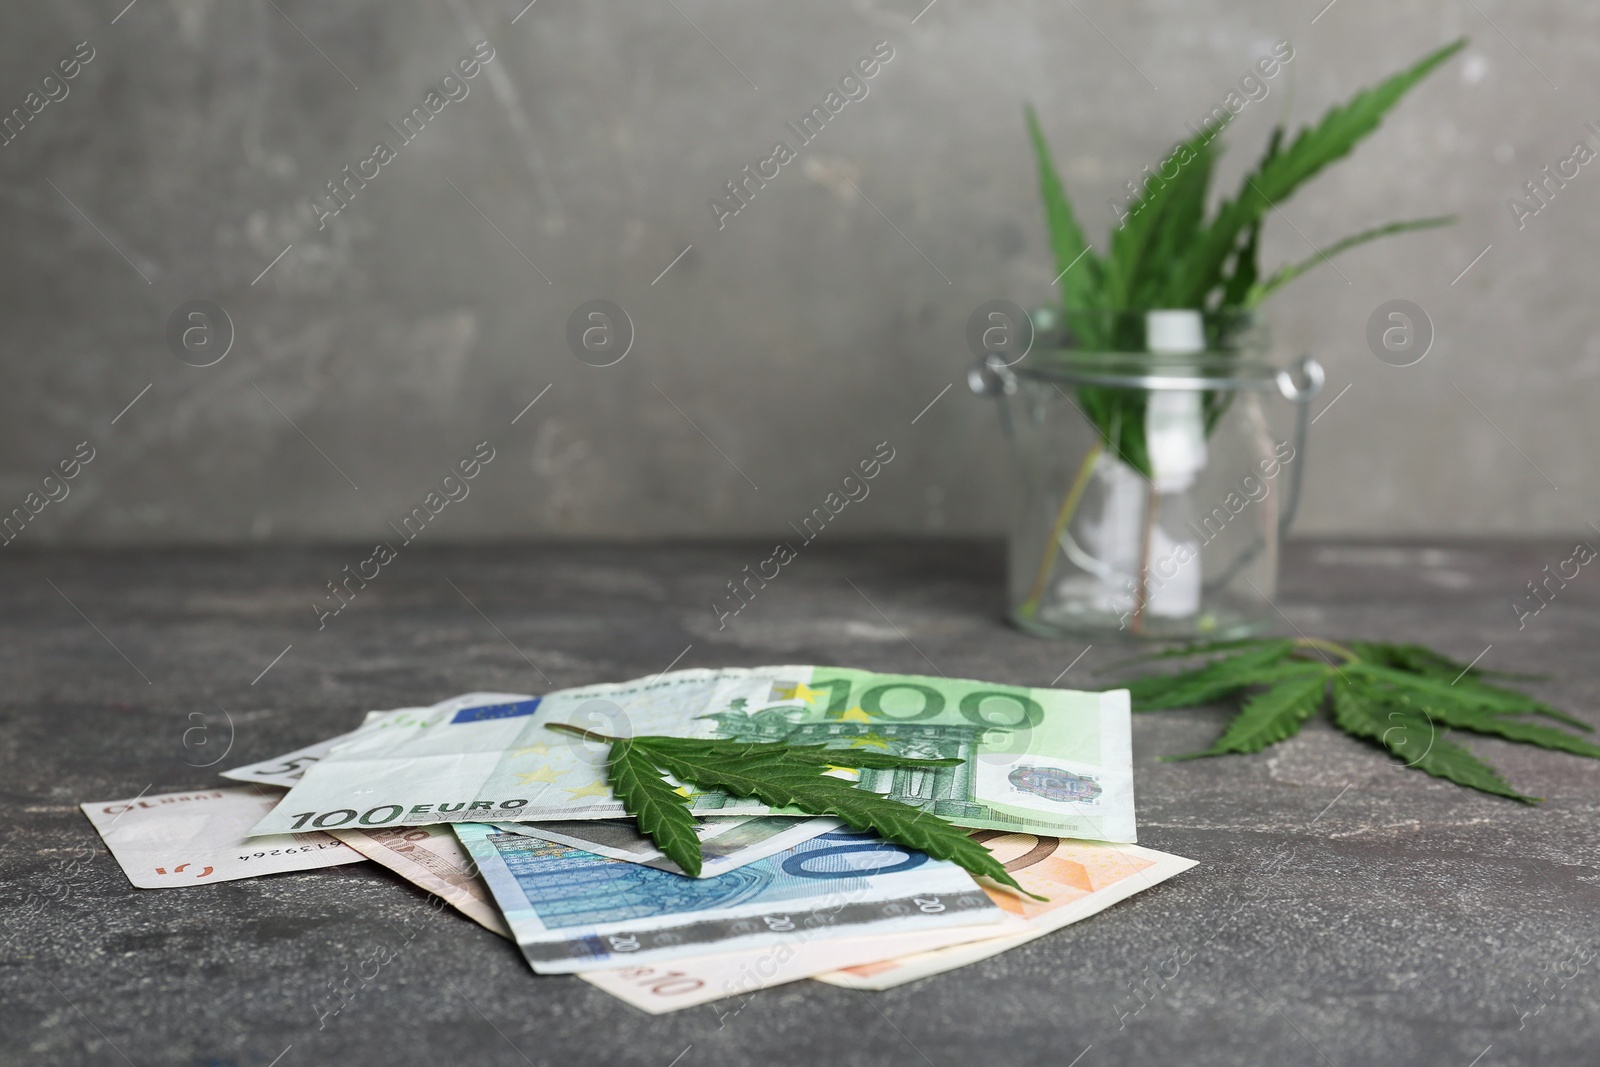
[[778, 350]]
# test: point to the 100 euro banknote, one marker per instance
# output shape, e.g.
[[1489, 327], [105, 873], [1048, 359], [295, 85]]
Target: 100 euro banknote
[[571, 910], [289, 768], [1050, 761]]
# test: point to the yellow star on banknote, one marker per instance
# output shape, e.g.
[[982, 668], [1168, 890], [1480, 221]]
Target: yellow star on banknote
[[869, 741], [543, 774], [800, 691], [593, 789], [855, 714], [540, 749]]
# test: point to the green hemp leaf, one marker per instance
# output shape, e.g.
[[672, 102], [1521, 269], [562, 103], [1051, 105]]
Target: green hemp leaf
[[1167, 252], [1404, 698], [783, 776]]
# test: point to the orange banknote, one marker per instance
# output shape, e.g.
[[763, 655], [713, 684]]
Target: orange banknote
[[1080, 878]]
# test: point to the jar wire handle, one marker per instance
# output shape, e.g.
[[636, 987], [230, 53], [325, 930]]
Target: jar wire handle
[[1309, 371]]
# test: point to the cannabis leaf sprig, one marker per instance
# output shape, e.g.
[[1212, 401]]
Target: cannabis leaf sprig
[[1167, 253], [783, 776], [1403, 697]]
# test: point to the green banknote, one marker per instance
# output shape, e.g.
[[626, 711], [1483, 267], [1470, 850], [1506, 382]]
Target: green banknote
[[1043, 761]]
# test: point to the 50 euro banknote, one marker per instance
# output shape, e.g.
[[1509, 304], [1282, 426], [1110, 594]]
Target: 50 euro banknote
[[1049, 761], [1080, 878]]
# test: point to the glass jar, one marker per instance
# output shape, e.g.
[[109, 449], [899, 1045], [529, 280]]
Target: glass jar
[[1155, 493]]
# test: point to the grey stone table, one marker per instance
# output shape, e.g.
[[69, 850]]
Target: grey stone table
[[1345, 911]]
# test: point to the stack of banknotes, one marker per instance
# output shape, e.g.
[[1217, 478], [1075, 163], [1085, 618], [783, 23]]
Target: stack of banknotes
[[473, 800]]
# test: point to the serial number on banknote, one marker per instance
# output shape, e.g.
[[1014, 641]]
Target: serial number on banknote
[[313, 847]]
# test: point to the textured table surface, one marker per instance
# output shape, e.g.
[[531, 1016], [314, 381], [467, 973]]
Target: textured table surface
[[1345, 911]]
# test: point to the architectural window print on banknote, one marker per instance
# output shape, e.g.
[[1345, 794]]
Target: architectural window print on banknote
[[1049, 761], [726, 843], [990, 729], [573, 911]]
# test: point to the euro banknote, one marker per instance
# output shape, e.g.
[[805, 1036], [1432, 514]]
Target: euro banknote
[[430, 858], [1081, 878], [735, 977], [726, 842], [1048, 761], [289, 768], [169, 840], [572, 911]]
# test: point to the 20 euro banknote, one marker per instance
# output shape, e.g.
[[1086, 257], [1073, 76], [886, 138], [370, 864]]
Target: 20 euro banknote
[[1050, 761], [1081, 878], [726, 842], [571, 910]]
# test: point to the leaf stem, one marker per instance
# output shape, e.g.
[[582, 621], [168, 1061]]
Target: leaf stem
[[578, 731], [1322, 644], [1151, 506], [1069, 506]]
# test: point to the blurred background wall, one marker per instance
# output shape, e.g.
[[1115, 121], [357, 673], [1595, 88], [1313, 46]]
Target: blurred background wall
[[374, 348]]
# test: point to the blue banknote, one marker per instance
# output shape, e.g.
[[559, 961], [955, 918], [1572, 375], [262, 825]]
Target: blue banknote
[[572, 910]]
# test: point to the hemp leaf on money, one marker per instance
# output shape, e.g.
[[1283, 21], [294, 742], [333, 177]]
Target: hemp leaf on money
[[1404, 698], [782, 775]]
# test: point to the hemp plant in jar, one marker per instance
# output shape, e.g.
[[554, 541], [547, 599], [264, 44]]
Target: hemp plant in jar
[[1156, 493]]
